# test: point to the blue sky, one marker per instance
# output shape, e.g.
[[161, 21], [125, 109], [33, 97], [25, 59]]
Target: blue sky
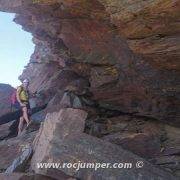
[[16, 48]]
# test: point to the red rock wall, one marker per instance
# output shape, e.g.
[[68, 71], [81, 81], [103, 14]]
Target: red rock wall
[[126, 50]]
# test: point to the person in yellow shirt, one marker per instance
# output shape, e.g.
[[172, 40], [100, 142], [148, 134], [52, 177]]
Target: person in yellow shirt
[[22, 95]]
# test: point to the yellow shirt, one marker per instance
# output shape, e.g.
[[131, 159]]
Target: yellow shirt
[[23, 95]]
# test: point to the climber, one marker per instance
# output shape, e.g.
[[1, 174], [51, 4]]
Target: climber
[[22, 95]]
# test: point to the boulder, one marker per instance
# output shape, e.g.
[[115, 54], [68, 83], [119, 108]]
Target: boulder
[[12, 148], [72, 121], [67, 99], [172, 137], [39, 116], [171, 163], [30, 176], [63, 141], [125, 123], [19, 164], [5, 130], [138, 143]]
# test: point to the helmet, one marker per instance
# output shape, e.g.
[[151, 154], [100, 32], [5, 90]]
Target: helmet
[[25, 81]]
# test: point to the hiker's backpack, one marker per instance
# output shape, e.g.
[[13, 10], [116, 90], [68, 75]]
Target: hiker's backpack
[[13, 98], [14, 102]]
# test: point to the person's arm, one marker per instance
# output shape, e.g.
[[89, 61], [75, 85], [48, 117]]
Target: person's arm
[[18, 97]]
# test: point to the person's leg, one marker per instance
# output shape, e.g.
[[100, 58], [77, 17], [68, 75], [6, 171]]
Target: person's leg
[[25, 115], [20, 126]]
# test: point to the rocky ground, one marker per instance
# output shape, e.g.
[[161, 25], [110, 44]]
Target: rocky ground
[[107, 78]]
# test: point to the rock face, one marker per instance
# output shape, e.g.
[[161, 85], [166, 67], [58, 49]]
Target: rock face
[[5, 94], [127, 50], [59, 141], [117, 61], [12, 148]]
